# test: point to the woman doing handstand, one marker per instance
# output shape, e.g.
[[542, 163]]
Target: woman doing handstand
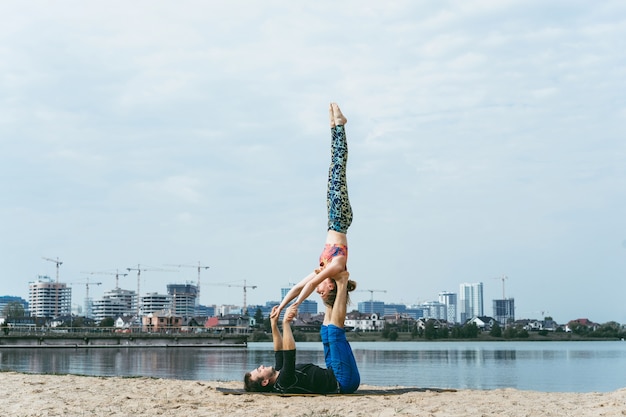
[[334, 257]]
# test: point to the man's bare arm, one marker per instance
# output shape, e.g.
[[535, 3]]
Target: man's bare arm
[[289, 343]]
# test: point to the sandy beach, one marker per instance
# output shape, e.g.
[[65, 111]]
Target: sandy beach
[[81, 396]]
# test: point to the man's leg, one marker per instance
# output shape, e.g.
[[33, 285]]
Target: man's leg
[[342, 359], [324, 336]]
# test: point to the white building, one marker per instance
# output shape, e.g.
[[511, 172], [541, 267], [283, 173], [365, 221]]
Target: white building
[[115, 303], [155, 302], [435, 309], [48, 298], [449, 299], [471, 301], [365, 322]]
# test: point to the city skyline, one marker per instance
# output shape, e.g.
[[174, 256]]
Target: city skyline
[[485, 139], [502, 308]]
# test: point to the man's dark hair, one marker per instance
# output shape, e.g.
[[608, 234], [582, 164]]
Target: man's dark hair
[[251, 385]]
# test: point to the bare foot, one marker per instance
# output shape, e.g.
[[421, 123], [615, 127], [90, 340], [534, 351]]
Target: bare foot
[[337, 118]]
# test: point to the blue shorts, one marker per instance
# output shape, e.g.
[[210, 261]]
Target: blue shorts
[[339, 357]]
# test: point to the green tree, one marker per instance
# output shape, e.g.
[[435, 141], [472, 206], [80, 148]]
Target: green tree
[[444, 331], [107, 322], [470, 330], [78, 322], [13, 309], [258, 317], [386, 330], [430, 332], [610, 329], [510, 332], [577, 328], [496, 330], [393, 335], [456, 332]]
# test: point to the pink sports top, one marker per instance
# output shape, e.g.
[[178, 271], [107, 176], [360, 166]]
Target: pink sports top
[[332, 250]]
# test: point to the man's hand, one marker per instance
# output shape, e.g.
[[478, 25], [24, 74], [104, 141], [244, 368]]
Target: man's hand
[[275, 312], [274, 315]]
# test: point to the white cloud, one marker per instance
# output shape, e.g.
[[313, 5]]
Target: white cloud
[[484, 139]]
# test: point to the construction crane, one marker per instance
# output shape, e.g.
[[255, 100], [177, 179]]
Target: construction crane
[[139, 269], [117, 276], [56, 287], [86, 284], [372, 294], [199, 267], [372, 297], [245, 288], [57, 262], [503, 278]]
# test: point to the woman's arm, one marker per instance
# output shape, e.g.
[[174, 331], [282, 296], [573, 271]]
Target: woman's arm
[[293, 293], [334, 267]]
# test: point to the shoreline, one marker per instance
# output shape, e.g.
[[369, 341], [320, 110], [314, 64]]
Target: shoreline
[[29, 395]]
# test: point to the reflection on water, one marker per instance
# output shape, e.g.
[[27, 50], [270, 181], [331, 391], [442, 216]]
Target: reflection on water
[[547, 366]]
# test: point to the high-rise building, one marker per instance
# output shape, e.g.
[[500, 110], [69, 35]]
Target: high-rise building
[[308, 306], [48, 298], [470, 301], [390, 310], [115, 303], [449, 299], [155, 302], [504, 311], [370, 307], [435, 310], [184, 299]]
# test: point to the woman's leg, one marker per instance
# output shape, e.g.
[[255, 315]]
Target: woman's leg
[[337, 201]]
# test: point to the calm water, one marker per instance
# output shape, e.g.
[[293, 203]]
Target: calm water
[[540, 366]]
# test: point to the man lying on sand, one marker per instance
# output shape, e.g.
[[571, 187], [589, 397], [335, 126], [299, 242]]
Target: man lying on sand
[[341, 374]]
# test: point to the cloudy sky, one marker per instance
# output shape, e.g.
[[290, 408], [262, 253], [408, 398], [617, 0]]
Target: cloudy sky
[[486, 140]]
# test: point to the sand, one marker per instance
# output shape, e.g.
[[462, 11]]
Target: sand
[[80, 396]]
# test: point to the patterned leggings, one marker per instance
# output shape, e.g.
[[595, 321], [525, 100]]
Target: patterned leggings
[[337, 201]]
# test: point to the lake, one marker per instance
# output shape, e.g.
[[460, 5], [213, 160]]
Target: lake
[[595, 366]]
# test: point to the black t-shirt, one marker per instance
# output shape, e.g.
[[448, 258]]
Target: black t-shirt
[[302, 378]]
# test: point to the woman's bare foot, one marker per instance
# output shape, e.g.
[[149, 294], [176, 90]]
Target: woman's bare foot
[[336, 117]]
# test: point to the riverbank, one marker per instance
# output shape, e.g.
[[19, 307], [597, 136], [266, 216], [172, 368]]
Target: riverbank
[[408, 337], [116, 340], [28, 395]]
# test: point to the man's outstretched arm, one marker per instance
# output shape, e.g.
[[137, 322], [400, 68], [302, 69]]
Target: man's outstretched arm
[[277, 338], [289, 343]]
